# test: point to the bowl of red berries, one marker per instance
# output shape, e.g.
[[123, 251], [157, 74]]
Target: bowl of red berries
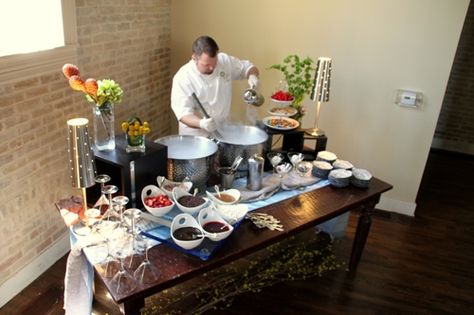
[[282, 98], [156, 201]]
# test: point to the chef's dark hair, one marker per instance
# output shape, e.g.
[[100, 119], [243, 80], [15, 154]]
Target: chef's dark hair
[[205, 44]]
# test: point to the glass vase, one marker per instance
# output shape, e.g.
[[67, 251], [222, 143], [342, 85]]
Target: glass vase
[[104, 132], [135, 143]]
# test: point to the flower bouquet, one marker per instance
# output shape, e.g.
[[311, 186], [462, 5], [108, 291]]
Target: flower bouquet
[[135, 132], [104, 94]]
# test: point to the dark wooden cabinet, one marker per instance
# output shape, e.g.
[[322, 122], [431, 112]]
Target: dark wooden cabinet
[[130, 172]]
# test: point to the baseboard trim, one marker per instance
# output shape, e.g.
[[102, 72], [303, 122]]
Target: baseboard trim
[[27, 275], [402, 207], [455, 146]]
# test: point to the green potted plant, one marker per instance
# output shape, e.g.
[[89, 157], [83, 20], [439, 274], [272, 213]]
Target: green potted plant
[[298, 74]]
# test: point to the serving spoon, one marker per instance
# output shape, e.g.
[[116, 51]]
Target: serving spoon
[[236, 163], [216, 188]]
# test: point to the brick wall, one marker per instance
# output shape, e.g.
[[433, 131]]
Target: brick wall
[[455, 128], [128, 41]]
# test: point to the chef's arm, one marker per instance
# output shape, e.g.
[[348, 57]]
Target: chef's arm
[[253, 70], [194, 121], [252, 77], [191, 120]]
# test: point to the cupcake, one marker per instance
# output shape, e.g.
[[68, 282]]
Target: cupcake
[[321, 169], [345, 165], [339, 177], [326, 156], [360, 177]]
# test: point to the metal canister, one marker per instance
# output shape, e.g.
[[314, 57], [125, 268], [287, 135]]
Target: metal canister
[[255, 174]]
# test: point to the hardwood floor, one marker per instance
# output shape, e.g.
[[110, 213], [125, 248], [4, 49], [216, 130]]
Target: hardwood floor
[[420, 265]]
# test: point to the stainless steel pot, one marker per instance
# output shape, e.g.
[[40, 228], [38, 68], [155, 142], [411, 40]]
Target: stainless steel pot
[[238, 140], [189, 156]]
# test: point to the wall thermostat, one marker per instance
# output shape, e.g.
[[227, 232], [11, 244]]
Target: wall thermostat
[[408, 98]]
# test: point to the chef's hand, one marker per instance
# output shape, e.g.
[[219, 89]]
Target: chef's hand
[[253, 81], [208, 124]]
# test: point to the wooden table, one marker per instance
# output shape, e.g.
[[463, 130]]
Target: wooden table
[[296, 214]]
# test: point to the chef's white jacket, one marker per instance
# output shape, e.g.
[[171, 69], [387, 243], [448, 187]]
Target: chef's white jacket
[[213, 90]]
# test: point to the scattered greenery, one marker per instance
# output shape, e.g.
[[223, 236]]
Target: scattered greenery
[[298, 74], [285, 261]]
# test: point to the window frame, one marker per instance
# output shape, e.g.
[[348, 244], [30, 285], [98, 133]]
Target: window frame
[[17, 66]]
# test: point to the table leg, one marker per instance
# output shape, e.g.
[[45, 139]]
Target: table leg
[[132, 307], [362, 231]]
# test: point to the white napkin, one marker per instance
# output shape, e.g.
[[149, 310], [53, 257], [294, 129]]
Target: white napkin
[[77, 284], [270, 185], [293, 181]]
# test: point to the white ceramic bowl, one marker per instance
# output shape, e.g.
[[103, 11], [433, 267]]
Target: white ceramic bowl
[[207, 215], [234, 193], [152, 191], [178, 193], [167, 185], [184, 220], [232, 213]]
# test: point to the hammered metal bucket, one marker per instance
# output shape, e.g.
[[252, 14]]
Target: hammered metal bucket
[[191, 157], [238, 140]]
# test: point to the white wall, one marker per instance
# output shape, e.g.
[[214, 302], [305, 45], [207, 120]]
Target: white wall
[[377, 46]]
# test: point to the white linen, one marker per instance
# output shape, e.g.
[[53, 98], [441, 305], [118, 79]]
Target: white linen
[[78, 282]]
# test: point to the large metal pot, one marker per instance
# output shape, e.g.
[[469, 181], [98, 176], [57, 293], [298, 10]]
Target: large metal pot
[[240, 140], [189, 156]]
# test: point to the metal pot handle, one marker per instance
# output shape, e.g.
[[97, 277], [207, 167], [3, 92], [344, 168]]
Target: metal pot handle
[[214, 139]]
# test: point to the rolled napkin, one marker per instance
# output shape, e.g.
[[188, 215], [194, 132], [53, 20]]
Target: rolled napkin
[[293, 181], [270, 185]]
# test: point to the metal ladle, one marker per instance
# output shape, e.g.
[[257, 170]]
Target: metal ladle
[[252, 97]]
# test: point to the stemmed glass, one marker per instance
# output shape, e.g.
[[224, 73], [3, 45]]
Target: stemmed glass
[[120, 201], [147, 273], [295, 158], [275, 158], [283, 169], [303, 168], [123, 281], [133, 260], [109, 190], [110, 265], [102, 203]]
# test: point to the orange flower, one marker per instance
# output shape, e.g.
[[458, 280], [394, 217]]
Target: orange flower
[[76, 83]]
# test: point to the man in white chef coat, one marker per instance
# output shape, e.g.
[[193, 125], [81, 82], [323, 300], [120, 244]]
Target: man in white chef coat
[[209, 75]]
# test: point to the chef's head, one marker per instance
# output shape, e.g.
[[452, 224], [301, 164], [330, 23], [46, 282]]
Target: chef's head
[[205, 54]]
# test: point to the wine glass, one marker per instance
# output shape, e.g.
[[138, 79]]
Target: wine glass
[[283, 169], [110, 265], [147, 273], [109, 190], [120, 201], [134, 259], [102, 203], [275, 158], [303, 168], [295, 158], [123, 281]]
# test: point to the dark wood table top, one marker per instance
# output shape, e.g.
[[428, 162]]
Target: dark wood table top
[[296, 214]]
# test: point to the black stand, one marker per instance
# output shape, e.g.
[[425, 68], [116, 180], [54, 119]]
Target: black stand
[[293, 141], [130, 172]]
